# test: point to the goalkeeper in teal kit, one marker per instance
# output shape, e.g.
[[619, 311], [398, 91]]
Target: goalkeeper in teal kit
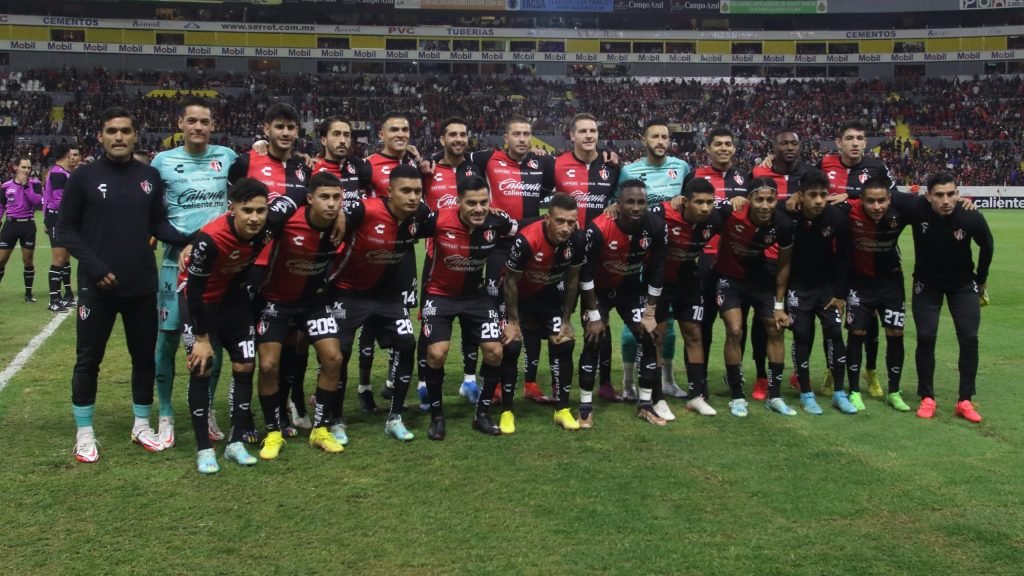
[[664, 176], [195, 177]]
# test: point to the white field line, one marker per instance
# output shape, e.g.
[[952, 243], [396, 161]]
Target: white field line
[[26, 353]]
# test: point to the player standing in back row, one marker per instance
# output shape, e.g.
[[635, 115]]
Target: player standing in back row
[[68, 159]]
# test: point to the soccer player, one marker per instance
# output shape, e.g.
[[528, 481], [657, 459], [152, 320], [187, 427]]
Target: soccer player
[[584, 174], [195, 178], [368, 287], [746, 279], [944, 269], [663, 175], [216, 312], [876, 285], [848, 172], [295, 296], [68, 158], [20, 198], [463, 238], [395, 135], [110, 210], [354, 172], [519, 180], [620, 252], [541, 287], [691, 220], [817, 286]]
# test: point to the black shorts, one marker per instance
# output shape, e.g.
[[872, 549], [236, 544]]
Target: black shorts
[[50, 225], [18, 230], [683, 299], [887, 298], [808, 299], [277, 320], [388, 321], [758, 293], [542, 312], [229, 326], [628, 301], [439, 312]]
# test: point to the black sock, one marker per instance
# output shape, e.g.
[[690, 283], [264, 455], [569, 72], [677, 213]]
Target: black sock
[[509, 374], [490, 376], [697, 380], [239, 398], [30, 278], [324, 404], [403, 359], [560, 361], [835, 353], [66, 275], [734, 377], [531, 345], [198, 404], [271, 411], [871, 345], [775, 370], [54, 278], [894, 361], [434, 377], [854, 347]]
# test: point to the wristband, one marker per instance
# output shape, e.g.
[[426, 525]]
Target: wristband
[[780, 306], [592, 315]]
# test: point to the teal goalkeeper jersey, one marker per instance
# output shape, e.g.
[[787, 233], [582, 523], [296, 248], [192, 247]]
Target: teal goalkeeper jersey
[[195, 188], [663, 182]]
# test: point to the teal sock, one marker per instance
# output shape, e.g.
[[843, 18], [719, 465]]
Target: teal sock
[[628, 345], [83, 414], [668, 348], [218, 358], [141, 410], [166, 347]]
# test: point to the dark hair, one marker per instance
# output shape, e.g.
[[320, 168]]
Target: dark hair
[[471, 183], [654, 122], [852, 125], [516, 119], [326, 123], [60, 151], [761, 183], [698, 186], [392, 115], [563, 201], [322, 180], [23, 157], [581, 116], [813, 180], [633, 183], [719, 131], [782, 131], [876, 182], [940, 178], [193, 100], [453, 120], [117, 112], [246, 189], [280, 110], [405, 171]]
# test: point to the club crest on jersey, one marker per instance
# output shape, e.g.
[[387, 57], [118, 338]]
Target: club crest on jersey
[[959, 234], [412, 229], [262, 327], [604, 174], [707, 234], [645, 243], [533, 164], [672, 174], [863, 177], [826, 231], [738, 179], [488, 235], [469, 172], [894, 224], [84, 312], [300, 174], [350, 169], [216, 165], [769, 238], [146, 186], [567, 254]]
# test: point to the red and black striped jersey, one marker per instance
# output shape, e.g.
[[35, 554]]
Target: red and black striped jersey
[[540, 262], [300, 262], [215, 267], [616, 258], [876, 252], [441, 189], [743, 243], [843, 179], [787, 183], [517, 187], [354, 173], [592, 185], [375, 243], [686, 241], [728, 184], [457, 268], [287, 178], [381, 166]]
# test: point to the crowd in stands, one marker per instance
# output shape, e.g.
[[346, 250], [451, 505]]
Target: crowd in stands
[[983, 116]]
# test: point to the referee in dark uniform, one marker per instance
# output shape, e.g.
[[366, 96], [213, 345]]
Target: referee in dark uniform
[[110, 210]]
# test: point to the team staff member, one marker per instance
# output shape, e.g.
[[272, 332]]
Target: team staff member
[[215, 313], [110, 210], [944, 268], [746, 280], [663, 175], [848, 172], [68, 159], [20, 198], [625, 255], [541, 287], [195, 178]]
